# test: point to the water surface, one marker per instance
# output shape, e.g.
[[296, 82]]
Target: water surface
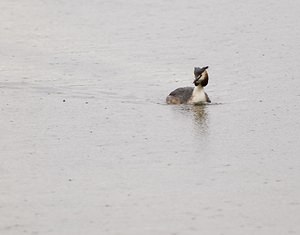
[[88, 144]]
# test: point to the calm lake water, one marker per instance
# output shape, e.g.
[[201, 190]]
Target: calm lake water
[[88, 145]]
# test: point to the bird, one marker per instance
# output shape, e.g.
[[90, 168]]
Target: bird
[[192, 95]]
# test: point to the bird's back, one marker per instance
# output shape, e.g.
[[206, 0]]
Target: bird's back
[[180, 95]]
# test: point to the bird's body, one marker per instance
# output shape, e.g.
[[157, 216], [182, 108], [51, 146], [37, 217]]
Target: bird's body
[[180, 95], [191, 95]]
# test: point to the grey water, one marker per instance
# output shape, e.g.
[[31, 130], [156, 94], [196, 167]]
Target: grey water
[[88, 144]]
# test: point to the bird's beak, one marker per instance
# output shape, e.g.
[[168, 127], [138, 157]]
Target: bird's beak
[[197, 78]]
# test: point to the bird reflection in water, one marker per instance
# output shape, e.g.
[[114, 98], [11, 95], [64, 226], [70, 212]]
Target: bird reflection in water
[[199, 115]]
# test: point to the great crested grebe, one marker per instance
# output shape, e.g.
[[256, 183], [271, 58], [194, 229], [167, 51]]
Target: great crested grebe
[[191, 95]]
